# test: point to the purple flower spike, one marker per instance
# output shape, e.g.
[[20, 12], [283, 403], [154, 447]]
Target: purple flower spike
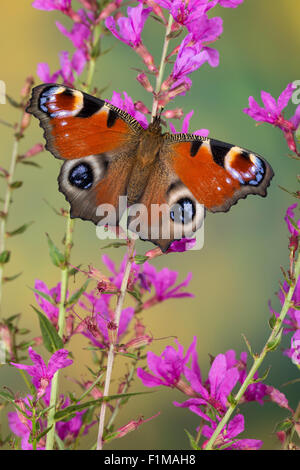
[[167, 368], [229, 434], [42, 374]]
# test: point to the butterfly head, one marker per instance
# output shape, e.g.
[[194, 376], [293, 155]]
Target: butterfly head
[[154, 127]]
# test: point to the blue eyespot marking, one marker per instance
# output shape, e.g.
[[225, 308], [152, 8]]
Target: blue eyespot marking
[[81, 176]]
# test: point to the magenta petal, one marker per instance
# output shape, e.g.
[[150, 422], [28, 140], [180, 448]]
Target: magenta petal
[[285, 97], [269, 102], [295, 120], [126, 317], [216, 373], [148, 379], [58, 361], [235, 426], [230, 3], [186, 122], [17, 427]]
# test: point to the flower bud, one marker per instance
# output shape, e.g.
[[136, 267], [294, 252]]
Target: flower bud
[[139, 342], [112, 330], [144, 81], [176, 113], [29, 82]]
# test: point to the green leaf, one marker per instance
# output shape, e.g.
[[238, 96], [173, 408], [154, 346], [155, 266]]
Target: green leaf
[[57, 257], [73, 299], [273, 345], [175, 34], [4, 257], [248, 346], [30, 163], [52, 341], [135, 294], [231, 400], [192, 441], [109, 437], [59, 442], [284, 425], [7, 396], [272, 321], [42, 434], [68, 412], [19, 230], [74, 271], [140, 259], [13, 102], [114, 245], [11, 278], [45, 296], [261, 379], [16, 185]]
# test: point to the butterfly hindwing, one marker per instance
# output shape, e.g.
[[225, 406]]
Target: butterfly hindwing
[[218, 174]]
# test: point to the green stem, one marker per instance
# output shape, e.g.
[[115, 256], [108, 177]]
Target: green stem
[[7, 201], [94, 56], [275, 335], [161, 67], [61, 328], [111, 355], [34, 443], [126, 386]]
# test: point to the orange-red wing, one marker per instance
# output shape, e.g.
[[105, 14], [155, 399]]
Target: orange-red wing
[[77, 125], [218, 174]]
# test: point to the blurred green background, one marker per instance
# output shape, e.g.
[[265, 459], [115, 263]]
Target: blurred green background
[[236, 272]]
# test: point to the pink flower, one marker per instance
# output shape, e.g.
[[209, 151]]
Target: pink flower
[[229, 433], [79, 34], [69, 430], [292, 320], [48, 308], [130, 28], [167, 368], [191, 56], [230, 3], [127, 105], [102, 317], [256, 391], [43, 72], [48, 5], [185, 128], [68, 67], [22, 426], [272, 113], [41, 374], [290, 214], [220, 383], [163, 281]]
